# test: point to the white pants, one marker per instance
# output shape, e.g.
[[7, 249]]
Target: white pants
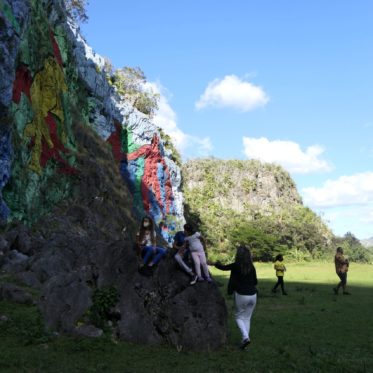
[[182, 264], [199, 259], [245, 305]]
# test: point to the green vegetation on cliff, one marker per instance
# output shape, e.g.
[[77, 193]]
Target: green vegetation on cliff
[[237, 201]]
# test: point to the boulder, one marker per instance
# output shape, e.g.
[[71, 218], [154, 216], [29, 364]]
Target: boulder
[[88, 331], [63, 301], [14, 293], [160, 309], [15, 262], [164, 308]]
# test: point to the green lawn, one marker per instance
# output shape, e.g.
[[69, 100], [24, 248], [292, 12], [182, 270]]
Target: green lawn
[[310, 330]]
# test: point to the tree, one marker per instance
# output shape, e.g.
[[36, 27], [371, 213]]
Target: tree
[[353, 248], [77, 10], [262, 244], [131, 85]]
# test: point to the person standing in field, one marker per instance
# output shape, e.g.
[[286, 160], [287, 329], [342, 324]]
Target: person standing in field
[[280, 268], [242, 283], [341, 267]]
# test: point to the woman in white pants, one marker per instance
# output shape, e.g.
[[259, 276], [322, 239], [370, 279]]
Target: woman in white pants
[[242, 283]]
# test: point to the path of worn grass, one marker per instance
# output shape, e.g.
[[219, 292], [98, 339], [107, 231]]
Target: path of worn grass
[[310, 330]]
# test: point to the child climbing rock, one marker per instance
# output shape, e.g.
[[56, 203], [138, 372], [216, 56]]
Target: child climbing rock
[[195, 241]]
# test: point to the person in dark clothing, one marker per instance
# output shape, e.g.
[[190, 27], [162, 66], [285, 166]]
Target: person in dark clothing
[[341, 268], [242, 283], [182, 254]]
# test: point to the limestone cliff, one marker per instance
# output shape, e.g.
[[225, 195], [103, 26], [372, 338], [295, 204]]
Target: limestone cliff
[[78, 166], [239, 185], [257, 198], [51, 78]]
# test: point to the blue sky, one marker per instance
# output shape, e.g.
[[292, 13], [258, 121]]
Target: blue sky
[[282, 81]]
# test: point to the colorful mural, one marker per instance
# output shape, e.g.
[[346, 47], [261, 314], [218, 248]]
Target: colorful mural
[[56, 82], [46, 131], [40, 122], [146, 171]]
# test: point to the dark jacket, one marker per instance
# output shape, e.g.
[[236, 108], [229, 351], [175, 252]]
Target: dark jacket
[[238, 282]]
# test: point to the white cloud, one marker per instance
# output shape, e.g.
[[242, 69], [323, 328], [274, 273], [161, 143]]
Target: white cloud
[[286, 153], [345, 191], [368, 218], [232, 92], [166, 119], [355, 219]]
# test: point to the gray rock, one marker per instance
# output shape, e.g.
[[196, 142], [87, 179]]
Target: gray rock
[[88, 331], [23, 243], [29, 278], [165, 309], [4, 244], [13, 293], [15, 262], [63, 301], [4, 318]]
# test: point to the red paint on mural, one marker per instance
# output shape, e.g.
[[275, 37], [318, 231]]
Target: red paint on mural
[[115, 141], [22, 84], [54, 152], [56, 48], [150, 181]]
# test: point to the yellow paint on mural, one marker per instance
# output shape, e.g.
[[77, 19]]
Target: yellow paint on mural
[[46, 90]]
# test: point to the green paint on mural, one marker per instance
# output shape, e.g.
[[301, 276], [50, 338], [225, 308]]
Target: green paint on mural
[[22, 114], [137, 197], [128, 145], [8, 14], [59, 35]]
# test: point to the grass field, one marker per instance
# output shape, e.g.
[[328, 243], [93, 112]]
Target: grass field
[[310, 330]]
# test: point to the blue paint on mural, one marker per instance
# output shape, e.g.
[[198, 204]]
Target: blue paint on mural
[[155, 210], [162, 181], [5, 166]]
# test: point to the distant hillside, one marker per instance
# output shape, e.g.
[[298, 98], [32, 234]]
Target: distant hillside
[[259, 198], [367, 242]]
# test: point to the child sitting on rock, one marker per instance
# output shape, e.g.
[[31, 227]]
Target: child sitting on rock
[[147, 249], [182, 254], [196, 246]]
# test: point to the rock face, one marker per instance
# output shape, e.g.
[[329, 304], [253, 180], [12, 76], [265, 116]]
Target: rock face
[[88, 245], [58, 81], [239, 184], [13, 19], [164, 308]]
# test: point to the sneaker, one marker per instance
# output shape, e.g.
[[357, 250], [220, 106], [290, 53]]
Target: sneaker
[[284, 293], [346, 293], [146, 271], [273, 291], [200, 279], [209, 279], [335, 291], [195, 279], [244, 343]]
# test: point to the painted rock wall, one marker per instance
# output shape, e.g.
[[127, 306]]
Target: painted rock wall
[[50, 79]]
